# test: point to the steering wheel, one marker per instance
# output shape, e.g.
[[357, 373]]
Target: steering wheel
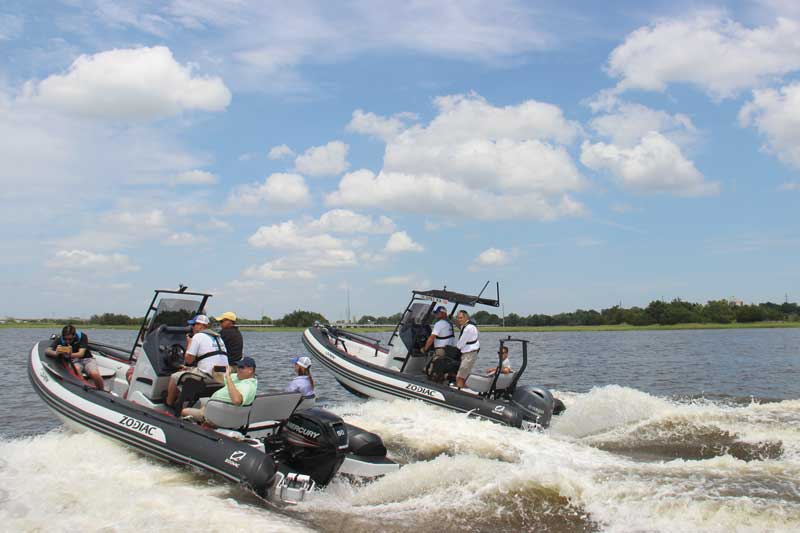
[[175, 355]]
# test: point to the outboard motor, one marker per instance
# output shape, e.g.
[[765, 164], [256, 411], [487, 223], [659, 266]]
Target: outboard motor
[[317, 441], [364, 443], [535, 403]]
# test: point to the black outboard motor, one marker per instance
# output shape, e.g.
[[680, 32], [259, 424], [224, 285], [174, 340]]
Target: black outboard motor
[[317, 441], [535, 403]]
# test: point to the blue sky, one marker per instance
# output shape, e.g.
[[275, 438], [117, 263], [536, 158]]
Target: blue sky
[[581, 155]]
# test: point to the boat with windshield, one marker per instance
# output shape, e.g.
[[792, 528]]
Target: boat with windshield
[[280, 446], [401, 369]]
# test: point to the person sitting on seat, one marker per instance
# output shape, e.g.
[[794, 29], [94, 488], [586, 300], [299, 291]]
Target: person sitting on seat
[[74, 346], [239, 389], [204, 351], [505, 367], [303, 383]]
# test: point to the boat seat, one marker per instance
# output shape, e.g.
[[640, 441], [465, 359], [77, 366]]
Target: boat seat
[[274, 406], [481, 383], [226, 415], [105, 373]]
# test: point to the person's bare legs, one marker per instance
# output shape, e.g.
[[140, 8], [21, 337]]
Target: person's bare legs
[[98, 380], [172, 392]]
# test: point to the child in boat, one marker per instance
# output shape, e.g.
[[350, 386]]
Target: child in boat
[[303, 383], [505, 368]]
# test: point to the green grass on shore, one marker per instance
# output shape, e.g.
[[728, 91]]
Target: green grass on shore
[[621, 327]]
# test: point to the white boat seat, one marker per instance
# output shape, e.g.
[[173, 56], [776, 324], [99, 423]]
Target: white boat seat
[[274, 406], [105, 373], [481, 383], [226, 415]]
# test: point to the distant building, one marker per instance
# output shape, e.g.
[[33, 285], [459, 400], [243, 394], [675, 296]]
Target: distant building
[[735, 302]]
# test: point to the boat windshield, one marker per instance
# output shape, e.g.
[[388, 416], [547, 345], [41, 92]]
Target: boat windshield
[[174, 312], [416, 313]]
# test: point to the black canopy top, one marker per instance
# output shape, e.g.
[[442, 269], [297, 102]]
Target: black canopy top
[[456, 297]]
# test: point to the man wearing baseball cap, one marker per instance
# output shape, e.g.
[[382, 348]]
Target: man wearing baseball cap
[[205, 350], [231, 336], [441, 336], [240, 389], [303, 383]]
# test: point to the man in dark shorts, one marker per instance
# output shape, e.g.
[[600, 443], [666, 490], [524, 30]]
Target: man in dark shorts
[[231, 336], [74, 345]]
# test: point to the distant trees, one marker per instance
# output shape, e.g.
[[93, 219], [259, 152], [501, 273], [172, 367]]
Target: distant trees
[[113, 319], [300, 319]]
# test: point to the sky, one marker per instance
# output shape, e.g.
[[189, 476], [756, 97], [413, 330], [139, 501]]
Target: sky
[[281, 155]]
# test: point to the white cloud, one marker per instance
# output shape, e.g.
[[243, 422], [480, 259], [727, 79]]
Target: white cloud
[[195, 177], [708, 50], [396, 280], [278, 191], [185, 239], [279, 152], [216, 224], [629, 123], [378, 126], [776, 115], [493, 257], [326, 160], [273, 270], [426, 193], [589, 242], [400, 241], [94, 262], [655, 165], [289, 235], [790, 186], [473, 159], [346, 221], [137, 84]]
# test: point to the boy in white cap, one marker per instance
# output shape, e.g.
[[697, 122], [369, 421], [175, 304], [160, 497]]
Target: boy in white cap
[[303, 383]]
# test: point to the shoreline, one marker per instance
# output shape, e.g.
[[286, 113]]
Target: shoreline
[[494, 329]]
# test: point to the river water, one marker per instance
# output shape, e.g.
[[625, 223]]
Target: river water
[[664, 431]]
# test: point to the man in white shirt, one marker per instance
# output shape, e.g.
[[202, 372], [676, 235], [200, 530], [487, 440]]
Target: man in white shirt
[[204, 351], [441, 336], [468, 345]]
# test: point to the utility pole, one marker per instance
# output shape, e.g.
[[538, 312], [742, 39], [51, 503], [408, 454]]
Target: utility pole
[[503, 307], [348, 304]]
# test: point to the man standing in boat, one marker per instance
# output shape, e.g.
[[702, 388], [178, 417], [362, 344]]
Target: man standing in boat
[[468, 345], [231, 336], [441, 336], [74, 346], [205, 350]]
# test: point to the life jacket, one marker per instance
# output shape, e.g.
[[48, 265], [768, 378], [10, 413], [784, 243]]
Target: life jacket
[[465, 327], [451, 331], [219, 351], [78, 336]]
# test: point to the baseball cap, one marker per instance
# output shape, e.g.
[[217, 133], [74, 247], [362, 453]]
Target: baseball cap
[[245, 362], [199, 319], [227, 315], [440, 309], [305, 362]]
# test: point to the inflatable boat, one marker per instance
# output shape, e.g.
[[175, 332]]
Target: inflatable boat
[[280, 446], [400, 369]]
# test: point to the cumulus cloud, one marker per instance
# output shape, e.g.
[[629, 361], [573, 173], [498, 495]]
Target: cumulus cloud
[[374, 125], [326, 160], [400, 241], [396, 280], [279, 152], [10, 26], [185, 239], [655, 165], [492, 257], [92, 262], [290, 235], [347, 221], [275, 270], [790, 186], [776, 115], [138, 84], [195, 177], [473, 159], [278, 191], [426, 193], [708, 50], [629, 123]]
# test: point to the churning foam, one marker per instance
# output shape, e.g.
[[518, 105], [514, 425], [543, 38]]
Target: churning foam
[[64, 481], [466, 469]]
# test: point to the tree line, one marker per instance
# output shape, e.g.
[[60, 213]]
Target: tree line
[[657, 312]]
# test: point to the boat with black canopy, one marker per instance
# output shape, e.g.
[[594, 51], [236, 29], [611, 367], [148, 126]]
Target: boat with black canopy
[[280, 446], [400, 369]]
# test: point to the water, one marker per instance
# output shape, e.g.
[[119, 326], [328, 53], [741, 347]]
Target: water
[[664, 431]]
